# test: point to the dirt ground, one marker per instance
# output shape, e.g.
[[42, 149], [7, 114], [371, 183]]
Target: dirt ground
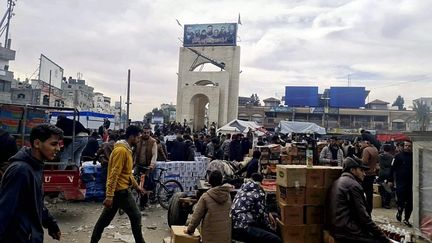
[[77, 219]]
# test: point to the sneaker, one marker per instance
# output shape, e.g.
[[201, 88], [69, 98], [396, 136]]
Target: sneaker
[[399, 216], [407, 223]]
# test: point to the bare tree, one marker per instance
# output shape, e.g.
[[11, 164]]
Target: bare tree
[[422, 115]]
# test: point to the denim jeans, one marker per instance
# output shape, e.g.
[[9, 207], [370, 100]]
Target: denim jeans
[[67, 154], [122, 199], [255, 235]]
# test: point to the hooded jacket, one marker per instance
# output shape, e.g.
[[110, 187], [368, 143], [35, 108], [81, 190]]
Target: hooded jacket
[[348, 214], [8, 148], [23, 212], [248, 208], [385, 162], [120, 169], [212, 210]]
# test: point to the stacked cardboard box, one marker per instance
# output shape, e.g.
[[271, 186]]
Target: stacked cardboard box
[[301, 193], [270, 157], [295, 155]]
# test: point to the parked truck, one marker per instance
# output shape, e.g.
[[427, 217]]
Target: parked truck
[[18, 120]]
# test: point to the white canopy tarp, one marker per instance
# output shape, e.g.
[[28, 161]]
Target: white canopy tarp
[[240, 126], [299, 127]]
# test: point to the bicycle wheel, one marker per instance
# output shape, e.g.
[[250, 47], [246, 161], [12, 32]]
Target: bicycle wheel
[[167, 190]]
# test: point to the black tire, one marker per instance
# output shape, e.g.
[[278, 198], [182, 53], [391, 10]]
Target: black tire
[[176, 216], [166, 191]]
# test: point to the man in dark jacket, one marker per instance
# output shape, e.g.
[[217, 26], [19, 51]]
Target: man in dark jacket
[[81, 138], [22, 210], [349, 219], [8, 148], [90, 150], [402, 174], [235, 148], [385, 162], [253, 165], [177, 151], [189, 148]]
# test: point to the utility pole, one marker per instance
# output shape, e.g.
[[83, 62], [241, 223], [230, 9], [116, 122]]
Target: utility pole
[[9, 16], [49, 90], [120, 115], [128, 99]]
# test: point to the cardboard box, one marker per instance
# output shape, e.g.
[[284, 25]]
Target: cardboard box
[[178, 236], [376, 188], [301, 233], [291, 175], [315, 196], [315, 177], [377, 202], [331, 174], [286, 159], [291, 195], [314, 215], [291, 215], [292, 150]]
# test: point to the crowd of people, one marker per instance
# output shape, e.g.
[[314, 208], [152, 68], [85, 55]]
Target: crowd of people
[[137, 149]]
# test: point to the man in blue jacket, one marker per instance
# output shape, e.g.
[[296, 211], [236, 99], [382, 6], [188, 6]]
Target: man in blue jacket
[[22, 211]]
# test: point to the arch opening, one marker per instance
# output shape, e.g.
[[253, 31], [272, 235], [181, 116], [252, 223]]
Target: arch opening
[[200, 105]]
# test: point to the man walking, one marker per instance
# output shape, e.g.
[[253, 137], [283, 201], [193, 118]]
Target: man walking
[[370, 158], [22, 212], [350, 220], [118, 194], [401, 173], [385, 162], [146, 155]]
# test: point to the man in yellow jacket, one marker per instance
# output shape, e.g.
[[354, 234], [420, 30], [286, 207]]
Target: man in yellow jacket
[[119, 182]]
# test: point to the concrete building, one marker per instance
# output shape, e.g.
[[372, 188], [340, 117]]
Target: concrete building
[[212, 92], [6, 76], [271, 102], [23, 93], [120, 116], [53, 97], [78, 94], [377, 105], [98, 102], [334, 119]]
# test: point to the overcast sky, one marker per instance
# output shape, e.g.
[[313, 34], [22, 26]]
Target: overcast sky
[[385, 46]]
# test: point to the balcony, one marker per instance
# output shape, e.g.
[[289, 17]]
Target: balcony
[[7, 54], [6, 75]]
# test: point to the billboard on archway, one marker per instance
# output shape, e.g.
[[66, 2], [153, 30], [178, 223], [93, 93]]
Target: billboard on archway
[[210, 35]]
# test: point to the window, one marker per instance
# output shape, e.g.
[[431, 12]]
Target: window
[[2, 86], [21, 96], [45, 100], [69, 86]]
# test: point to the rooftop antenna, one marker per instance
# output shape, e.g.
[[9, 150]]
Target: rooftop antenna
[[7, 17]]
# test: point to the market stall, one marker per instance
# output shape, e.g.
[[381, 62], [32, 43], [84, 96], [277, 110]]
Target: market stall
[[239, 126], [287, 127]]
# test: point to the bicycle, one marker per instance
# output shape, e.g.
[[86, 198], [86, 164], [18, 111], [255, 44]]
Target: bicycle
[[161, 192]]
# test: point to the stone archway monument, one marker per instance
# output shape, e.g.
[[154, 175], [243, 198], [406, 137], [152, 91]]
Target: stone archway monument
[[208, 76]]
